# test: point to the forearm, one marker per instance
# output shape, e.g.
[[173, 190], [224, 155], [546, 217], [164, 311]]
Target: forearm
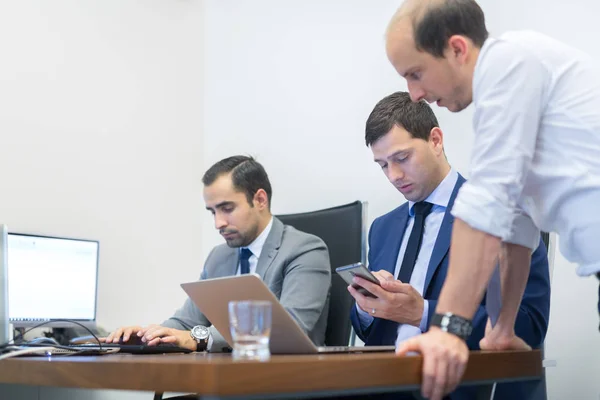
[[186, 317], [515, 263], [473, 256]]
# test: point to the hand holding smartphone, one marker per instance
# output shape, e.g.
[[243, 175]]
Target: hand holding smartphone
[[348, 272]]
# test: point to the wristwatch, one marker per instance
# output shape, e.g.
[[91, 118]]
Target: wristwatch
[[201, 334], [454, 324]]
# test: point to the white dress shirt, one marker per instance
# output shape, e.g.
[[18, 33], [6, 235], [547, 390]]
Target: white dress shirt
[[256, 248], [536, 157], [439, 198]]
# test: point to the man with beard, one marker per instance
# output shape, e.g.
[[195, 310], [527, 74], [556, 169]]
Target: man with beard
[[293, 264]]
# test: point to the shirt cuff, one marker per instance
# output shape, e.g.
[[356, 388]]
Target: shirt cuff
[[480, 210], [425, 317], [364, 318]]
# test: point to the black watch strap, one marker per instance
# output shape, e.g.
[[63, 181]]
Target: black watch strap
[[202, 345], [453, 324]]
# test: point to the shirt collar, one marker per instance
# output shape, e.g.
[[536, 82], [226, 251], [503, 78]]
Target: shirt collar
[[256, 246], [441, 194]]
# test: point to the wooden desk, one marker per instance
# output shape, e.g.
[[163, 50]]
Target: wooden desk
[[219, 376]]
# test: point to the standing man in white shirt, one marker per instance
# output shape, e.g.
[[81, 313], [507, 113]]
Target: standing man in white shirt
[[535, 164]]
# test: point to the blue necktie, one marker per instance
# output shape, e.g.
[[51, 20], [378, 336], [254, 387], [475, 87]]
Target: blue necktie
[[245, 254], [421, 209]]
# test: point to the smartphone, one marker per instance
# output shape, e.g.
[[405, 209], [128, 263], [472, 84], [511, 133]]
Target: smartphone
[[348, 272]]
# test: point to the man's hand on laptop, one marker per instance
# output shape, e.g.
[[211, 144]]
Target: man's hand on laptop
[[396, 301], [125, 332], [151, 335], [156, 334]]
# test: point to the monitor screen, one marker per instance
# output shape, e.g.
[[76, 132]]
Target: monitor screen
[[51, 278]]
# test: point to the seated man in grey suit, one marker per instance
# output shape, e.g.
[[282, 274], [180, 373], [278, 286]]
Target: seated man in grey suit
[[293, 264]]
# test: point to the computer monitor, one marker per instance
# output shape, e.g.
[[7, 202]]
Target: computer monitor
[[51, 278]]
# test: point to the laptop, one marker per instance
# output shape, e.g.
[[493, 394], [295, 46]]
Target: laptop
[[52, 350], [162, 348], [212, 297]]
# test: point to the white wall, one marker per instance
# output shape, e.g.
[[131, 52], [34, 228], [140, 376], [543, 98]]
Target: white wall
[[101, 134], [105, 133], [293, 82]]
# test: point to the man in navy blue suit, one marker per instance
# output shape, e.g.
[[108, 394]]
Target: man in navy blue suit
[[408, 247]]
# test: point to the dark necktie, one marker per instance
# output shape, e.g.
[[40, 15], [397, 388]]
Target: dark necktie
[[493, 296], [244, 261], [421, 209]]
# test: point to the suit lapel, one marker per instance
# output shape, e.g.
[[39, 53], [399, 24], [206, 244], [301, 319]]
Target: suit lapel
[[229, 264], [270, 248], [396, 237], [442, 243]]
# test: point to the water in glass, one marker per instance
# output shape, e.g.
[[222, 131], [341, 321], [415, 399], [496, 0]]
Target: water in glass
[[250, 324]]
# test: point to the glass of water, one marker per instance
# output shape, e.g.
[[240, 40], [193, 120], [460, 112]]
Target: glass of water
[[250, 325]]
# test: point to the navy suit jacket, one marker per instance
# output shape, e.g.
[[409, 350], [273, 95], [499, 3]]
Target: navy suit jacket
[[385, 237]]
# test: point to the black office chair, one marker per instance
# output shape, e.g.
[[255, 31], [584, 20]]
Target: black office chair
[[343, 229]]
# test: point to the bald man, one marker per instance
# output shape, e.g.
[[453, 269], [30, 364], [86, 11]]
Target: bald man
[[534, 166]]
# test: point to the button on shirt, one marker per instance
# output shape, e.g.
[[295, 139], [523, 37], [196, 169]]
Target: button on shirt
[[439, 198], [536, 157], [256, 248]]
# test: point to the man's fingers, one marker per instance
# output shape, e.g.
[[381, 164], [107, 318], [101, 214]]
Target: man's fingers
[[156, 333], [127, 333], [143, 331], [455, 372], [408, 346], [371, 287], [151, 331], [396, 287], [150, 335], [441, 378], [363, 301], [356, 294], [116, 335], [383, 275], [168, 339], [456, 367], [428, 378], [153, 342]]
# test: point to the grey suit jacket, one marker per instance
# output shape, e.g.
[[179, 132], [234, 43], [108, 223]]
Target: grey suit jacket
[[293, 264]]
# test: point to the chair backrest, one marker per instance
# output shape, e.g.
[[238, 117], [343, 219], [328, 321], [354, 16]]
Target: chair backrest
[[343, 229]]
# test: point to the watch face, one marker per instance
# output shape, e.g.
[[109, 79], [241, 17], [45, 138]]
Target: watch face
[[200, 332], [461, 328], [453, 324]]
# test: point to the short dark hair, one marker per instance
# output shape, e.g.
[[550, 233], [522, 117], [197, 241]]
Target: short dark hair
[[437, 22], [398, 109], [247, 175]]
